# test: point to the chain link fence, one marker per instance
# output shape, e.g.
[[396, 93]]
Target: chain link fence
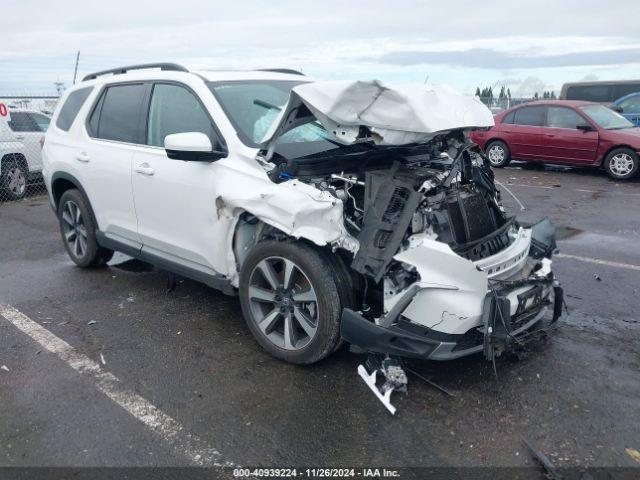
[[24, 119]]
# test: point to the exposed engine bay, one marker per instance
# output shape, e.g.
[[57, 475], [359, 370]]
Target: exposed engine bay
[[444, 271], [394, 196]]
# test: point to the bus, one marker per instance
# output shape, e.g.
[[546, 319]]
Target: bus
[[602, 92]]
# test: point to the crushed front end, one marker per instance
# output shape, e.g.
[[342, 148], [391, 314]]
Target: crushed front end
[[452, 273], [441, 270]]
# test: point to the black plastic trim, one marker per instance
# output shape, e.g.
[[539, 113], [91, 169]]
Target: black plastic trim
[[172, 67], [215, 281], [359, 331]]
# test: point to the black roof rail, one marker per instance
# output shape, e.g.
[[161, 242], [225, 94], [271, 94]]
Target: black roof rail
[[281, 70], [173, 67]]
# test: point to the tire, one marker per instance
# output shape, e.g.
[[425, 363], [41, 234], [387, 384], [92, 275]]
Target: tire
[[300, 322], [14, 179], [78, 230], [500, 153], [621, 163]]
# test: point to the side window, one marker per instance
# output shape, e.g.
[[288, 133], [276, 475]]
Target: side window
[[624, 89], [22, 122], [533, 116], [42, 121], [174, 109], [117, 115], [71, 107], [508, 118], [591, 93], [630, 105], [561, 117]]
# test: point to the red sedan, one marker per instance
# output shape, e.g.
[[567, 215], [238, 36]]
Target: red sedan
[[581, 134]]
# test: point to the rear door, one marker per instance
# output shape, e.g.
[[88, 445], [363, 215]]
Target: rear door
[[29, 133], [525, 134], [564, 142], [115, 127]]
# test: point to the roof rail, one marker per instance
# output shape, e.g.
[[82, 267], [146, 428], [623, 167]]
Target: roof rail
[[281, 70], [174, 67]]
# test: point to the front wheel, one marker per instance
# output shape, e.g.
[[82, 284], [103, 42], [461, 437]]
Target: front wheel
[[78, 231], [621, 163], [290, 299], [498, 154]]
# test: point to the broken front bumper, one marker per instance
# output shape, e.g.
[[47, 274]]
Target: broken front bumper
[[459, 307], [499, 332]]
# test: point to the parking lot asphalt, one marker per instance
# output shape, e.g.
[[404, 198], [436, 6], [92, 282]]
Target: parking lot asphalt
[[188, 354]]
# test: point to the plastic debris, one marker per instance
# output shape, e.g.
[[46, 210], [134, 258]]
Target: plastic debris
[[92, 322], [104, 362], [633, 453], [543, 460], [597, 277], [393, 374], [5, 368]]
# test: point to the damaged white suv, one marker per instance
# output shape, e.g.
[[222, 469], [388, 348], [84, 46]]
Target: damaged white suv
[[336, 210]]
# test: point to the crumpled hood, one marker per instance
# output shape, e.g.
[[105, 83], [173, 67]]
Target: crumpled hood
[[395, 115]]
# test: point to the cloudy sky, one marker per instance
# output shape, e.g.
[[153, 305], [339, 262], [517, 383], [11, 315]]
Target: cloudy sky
[[527, 45]]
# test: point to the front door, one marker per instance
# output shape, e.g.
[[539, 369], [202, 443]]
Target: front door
[[175, 199], [562, 140]]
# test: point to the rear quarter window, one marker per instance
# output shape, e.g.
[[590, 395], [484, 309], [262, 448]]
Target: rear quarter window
[[71, 107]]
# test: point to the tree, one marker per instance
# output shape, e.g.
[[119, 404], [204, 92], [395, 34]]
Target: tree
[[509, 93], [536, 96], [478, 92], [502, 95]]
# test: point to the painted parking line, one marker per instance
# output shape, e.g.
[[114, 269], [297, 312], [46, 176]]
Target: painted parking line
[[598, 261], [169, 429], [582, 190]]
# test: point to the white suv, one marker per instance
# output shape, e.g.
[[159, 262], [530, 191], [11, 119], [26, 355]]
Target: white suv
[[336, 210], [20, 146]]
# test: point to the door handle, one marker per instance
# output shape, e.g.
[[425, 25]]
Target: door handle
[[83, 157], [19, 137], [144, 169]]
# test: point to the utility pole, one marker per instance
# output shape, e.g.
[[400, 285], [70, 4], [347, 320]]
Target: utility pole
[[75, 72]]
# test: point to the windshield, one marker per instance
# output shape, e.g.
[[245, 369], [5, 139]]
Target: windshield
[[606, 118], [253, 105]]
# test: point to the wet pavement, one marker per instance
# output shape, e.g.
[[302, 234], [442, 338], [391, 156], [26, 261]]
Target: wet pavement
[[575, 396]]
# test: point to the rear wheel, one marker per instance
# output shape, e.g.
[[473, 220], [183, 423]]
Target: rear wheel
[[621, 163], [290, 299], [498, 154], [78, 230], [14, 179]]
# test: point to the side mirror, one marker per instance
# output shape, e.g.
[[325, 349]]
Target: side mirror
[[191, 147], [585, 128], [616, 108]]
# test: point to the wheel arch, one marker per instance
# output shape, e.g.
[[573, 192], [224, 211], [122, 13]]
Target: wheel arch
[[63, 181], [600, 161], [249, 230], [496, 139]]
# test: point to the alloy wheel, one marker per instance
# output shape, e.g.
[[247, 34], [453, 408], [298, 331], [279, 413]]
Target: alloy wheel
[[621, 164], [74, 229], [16, 181], [283, 303], [496, 155]]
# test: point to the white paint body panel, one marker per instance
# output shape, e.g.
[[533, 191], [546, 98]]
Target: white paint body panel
[[453, 289]]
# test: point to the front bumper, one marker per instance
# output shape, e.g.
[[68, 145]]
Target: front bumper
[[499, 332]]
